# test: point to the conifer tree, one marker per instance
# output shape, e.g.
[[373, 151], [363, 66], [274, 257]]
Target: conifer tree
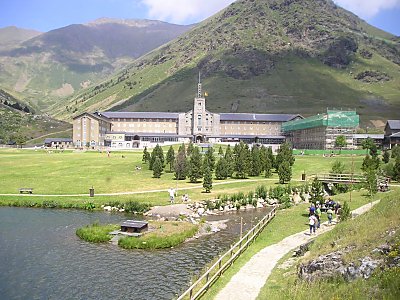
[[242, 160], [284, 172], [157, 152], [317, 191], [285, 153], [210, 158], [146, 155], [268, 167], [220, 151], [207, 178], [229, 160], [396, 169], [181, 164], [386, 156], [195, 165], [157, 168], [189, 149], [221, 169], [271, 156], [256, 162], [170, 157]]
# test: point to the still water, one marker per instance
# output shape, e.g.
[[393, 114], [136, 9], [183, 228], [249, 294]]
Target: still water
[[42, 258]]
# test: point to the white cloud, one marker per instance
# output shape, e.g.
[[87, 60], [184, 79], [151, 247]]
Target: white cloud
[[367, 8], [183, 11]]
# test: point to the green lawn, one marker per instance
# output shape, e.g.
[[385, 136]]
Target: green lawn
[[71, 173]]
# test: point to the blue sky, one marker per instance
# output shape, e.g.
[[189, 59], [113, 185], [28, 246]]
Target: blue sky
[[44, 15]]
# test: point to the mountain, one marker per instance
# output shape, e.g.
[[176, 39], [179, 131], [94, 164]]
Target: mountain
[[60, 62], [11, 36], [19, 123], [294, 56]]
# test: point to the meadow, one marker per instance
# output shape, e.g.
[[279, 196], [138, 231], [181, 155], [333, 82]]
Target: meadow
[[67, 177]]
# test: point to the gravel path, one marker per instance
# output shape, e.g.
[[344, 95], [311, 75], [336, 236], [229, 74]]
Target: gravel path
[[247, 283]]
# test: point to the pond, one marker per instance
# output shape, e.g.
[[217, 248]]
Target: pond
[[42, 258]]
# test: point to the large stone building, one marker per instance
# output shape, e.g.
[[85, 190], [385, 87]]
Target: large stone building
[[392, 133], [127, 130], [320, 131]]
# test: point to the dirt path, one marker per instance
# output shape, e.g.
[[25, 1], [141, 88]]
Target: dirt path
[[247, 283]]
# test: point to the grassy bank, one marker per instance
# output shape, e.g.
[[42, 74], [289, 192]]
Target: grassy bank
[[96, 233], [379, 226], [287, 222], [160, 235]]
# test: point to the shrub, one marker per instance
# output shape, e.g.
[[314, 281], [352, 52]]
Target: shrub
[[345, 213], [136, 207]]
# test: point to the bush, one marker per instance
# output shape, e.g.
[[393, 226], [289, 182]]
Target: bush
[[136, 207], [345, 212]]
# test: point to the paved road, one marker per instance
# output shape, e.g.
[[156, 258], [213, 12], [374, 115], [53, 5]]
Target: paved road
[[247, 283]]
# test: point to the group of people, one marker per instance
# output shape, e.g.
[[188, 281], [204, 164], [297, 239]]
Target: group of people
[[315, 213]]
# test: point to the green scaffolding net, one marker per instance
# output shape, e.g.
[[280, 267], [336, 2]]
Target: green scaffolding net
[[332, 118]]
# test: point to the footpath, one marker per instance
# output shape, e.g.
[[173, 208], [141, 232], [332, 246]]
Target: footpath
[[247, 283]]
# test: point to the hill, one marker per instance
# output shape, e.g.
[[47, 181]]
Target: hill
[[262, 56], [19, 123], [12, 36], [58, 63]]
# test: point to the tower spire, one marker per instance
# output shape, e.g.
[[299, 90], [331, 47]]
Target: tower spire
[[199, 93]]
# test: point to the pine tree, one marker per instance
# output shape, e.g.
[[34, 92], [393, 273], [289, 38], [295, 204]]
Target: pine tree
[[207, 180], [285, 153], [242, 160], [210, 158], [221, 169], [195, 165], [284, 172], [386, 156], [271, 156], [371, 181], [256, 162], [345, 213], [181, 164], [396, 169], [170, 158], [229, 161], [146, 155], [157, 152], [157, 168], [189, 149], [220, 151], [317, 191], [268, 167]]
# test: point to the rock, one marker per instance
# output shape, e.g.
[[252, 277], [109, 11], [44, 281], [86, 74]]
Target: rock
[[121, 210], [259, 205], [107, 208], [201, 211]]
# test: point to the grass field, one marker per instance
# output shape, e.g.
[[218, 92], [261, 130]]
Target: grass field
[[72, 174]]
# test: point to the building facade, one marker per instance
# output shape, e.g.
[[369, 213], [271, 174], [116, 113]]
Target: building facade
[[126, 130], [321, 131], [392, 133]]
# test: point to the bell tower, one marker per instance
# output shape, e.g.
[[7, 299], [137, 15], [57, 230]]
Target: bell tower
[[199, 117]]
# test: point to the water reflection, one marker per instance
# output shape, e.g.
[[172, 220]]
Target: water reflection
[[42, 258]]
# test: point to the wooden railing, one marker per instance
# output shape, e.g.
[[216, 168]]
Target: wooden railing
[[226, 260], [340, 178]]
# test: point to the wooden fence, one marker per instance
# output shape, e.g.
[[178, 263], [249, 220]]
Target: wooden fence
[[340, 178], [226, 260]]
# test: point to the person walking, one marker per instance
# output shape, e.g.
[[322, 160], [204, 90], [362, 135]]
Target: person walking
[[171, 193], [312, 220], [318, 215], [330, 215]]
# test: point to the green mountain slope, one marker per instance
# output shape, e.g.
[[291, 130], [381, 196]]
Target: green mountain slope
[[263, 56], [55, 64], [18, 125]]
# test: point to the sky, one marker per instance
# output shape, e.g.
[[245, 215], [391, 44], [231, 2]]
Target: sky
[[45, 15]]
